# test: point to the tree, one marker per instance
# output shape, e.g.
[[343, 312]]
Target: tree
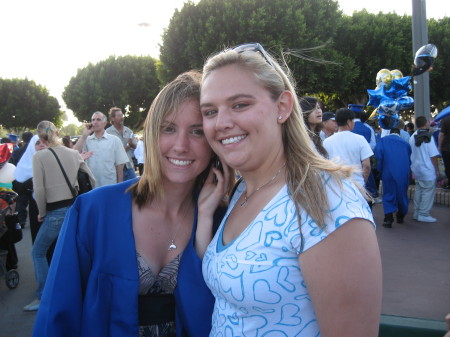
[[71, 130], [128, 82], [438, 32], [374, 41], [23, 104], [196, 31]]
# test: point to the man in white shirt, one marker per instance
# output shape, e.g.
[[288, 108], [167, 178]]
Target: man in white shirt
[[108, 155], [425, 169], [127, 137], [348, 147]]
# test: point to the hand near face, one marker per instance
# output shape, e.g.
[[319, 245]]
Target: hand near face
[[210, 196], [213, 190], [87, 129]]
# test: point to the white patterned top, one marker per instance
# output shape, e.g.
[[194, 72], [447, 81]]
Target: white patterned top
[[256, 279]]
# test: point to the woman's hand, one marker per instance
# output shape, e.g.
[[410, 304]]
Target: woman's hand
[[212, 193], [213, 190]]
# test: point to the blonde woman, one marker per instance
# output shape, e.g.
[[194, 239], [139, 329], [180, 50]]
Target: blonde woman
[[53, 196], [296, 253]]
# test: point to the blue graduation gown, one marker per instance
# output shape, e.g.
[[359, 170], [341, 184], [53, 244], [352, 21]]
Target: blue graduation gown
[[394, 164], [92, 285]]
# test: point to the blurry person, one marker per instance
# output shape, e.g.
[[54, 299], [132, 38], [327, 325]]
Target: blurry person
[[140, 156], [107, 155], [53, 196], [67, 142], [312, 115], [117, 128], [425, 169], [349, 148], [409, 127], [393, 154], [329, 125]]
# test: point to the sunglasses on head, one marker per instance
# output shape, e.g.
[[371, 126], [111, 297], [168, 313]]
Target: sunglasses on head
[[255, 47]]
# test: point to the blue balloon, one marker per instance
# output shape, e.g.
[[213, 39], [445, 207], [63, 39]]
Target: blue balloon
[[387, 121], [388, 107], [399, 87], [442, 114], [376, 95], [405, 102]]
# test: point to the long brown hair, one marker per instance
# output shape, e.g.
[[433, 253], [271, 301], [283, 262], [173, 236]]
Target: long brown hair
[[308, 104]]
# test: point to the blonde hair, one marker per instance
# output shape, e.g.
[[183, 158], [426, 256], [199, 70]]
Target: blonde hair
[[184, 88], [47, 131], [304, 166]]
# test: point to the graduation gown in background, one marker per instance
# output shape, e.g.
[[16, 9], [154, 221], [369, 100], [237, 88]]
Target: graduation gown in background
[[394, 162]]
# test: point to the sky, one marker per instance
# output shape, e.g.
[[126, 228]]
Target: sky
[[49, 40]]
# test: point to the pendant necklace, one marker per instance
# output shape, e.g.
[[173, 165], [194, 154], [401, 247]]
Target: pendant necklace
[[246, 197], [172, 245]]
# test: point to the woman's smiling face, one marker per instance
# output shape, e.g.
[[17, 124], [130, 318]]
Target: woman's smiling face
[[185, 153], [239, 117]]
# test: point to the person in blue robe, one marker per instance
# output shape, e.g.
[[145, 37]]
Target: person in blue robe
[[393, 154]]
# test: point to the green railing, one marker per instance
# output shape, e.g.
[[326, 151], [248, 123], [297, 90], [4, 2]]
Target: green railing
[[397, 326]]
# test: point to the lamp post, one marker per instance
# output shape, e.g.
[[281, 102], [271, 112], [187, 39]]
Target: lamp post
[[420, 38]]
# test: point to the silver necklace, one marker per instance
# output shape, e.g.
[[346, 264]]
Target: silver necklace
[[172, 245], [246, 197]]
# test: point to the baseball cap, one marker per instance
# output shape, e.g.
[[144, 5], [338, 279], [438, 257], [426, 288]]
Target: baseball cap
[[327, 116]]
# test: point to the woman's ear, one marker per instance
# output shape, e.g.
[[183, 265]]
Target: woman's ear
[[285, 105]]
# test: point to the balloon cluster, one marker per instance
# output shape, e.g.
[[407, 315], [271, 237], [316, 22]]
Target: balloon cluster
[[390, 95]]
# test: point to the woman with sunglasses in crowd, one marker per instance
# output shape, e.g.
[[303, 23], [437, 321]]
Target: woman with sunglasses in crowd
[[296, 253], [125, 263]]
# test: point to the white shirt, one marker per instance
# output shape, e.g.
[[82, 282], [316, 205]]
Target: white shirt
[[108, 153], [403, 134], [421, 164], [139, 152], [349, 149], [256, 279], [24, 168], [126, 134]]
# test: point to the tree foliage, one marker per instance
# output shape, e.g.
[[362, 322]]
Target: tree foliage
[[360, 44], [23, 104], [374, 41], [196, 31], [71, 130], [439, 35], [128, 82]]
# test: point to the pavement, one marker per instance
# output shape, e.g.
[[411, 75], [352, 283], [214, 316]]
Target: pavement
[[416, 272]]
